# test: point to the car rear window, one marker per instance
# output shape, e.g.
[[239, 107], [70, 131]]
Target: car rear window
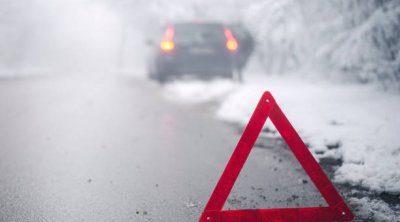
[[199, 32]]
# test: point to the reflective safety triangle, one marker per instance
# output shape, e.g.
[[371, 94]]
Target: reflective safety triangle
[[337, 210]]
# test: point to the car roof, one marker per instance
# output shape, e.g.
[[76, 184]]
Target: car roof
[[193, 23]]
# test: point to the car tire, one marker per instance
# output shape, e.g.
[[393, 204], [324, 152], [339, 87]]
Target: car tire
[[161, 77], [228, 74], [238, 75], [151, 75]]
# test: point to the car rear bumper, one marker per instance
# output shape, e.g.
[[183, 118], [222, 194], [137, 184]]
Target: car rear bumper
[[196, 65]]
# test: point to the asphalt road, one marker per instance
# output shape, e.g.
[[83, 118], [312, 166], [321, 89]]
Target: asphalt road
[[110, 148]]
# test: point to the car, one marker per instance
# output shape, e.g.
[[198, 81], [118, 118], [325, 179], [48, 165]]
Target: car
[[202, 49]]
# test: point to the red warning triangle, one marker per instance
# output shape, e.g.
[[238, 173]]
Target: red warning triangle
[[337, 210]]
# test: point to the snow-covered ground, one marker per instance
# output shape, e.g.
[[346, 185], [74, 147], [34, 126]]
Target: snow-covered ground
[[355, 123], [360, 119], [375, 210]]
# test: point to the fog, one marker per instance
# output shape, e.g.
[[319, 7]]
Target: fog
[[71, 36], [337, 40], [94, 128]]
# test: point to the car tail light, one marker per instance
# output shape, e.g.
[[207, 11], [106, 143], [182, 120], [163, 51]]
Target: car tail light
[[231, 43], [167, 44]]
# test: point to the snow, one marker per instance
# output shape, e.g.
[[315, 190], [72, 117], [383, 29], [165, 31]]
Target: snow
[[375, 210], [360, 119]]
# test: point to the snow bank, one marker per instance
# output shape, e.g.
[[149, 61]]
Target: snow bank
[[374, 210], [355, 123], [196, 91], [359, 119]]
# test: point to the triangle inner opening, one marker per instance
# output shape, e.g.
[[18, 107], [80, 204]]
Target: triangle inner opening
[[272, 177]]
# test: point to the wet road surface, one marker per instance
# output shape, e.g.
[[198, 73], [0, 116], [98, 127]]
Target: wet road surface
[[110, 148]]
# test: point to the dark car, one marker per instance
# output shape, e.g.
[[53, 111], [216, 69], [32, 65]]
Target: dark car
[[203, 49]]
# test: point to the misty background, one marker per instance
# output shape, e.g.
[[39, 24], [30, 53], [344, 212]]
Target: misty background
[[338, 40]]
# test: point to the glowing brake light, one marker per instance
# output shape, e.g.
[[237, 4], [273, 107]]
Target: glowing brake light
[[167, 44], [231, 43]]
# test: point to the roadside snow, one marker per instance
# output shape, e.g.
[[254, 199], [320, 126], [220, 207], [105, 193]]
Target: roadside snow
[[361, 120], [375, 210], [357, 123]]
